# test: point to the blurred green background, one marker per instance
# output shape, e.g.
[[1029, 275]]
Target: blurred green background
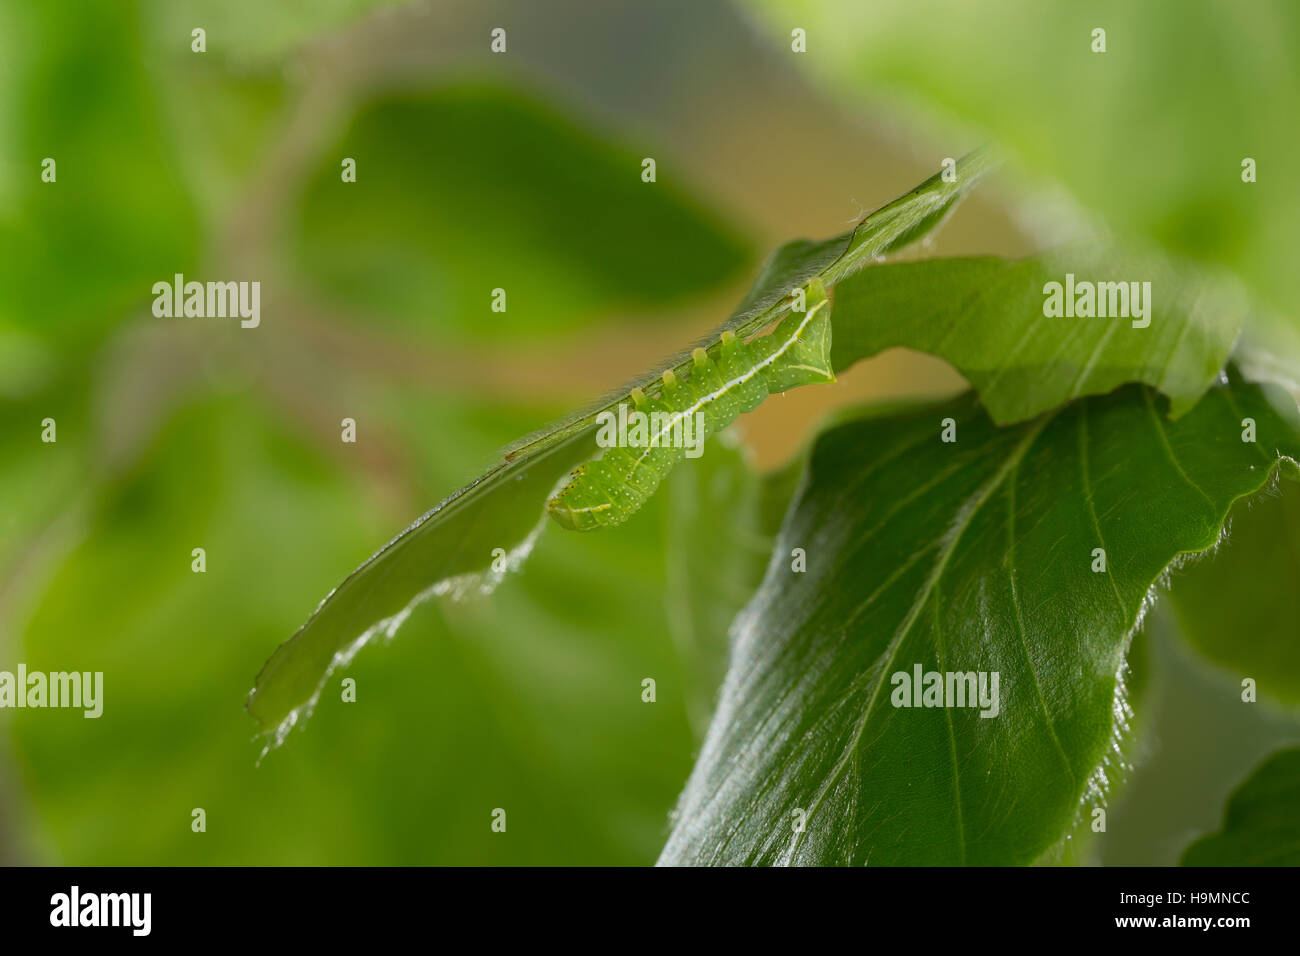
[[519, 171]]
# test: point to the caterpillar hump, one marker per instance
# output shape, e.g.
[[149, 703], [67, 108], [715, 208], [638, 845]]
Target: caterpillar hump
[[609, 489], [801, 344]]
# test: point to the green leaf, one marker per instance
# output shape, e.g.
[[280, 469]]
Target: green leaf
[[986, 317], [893, 226], [976, 556], [466, 189], [715, 549], [900, 222], [81, 253], [1231, 607], [483, 704], [251, 33], [1100, 123], [1260, 827], [447, 549]]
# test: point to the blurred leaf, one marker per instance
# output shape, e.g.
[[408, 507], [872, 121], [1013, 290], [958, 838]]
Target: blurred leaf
[[714, 555], [1233, 607], [205, 104], [486, 704], [1260, 827], [251, 32], [956, 557], [465, 190], [81, 253], [985, 316], [1218, 82], [42, 484], [447, 549]]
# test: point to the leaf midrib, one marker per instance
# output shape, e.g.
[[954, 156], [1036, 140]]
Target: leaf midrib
[[971, 507]]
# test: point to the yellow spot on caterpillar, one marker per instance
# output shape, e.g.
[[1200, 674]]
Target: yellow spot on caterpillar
[[701, 357], [728, 338], [638, 397], [670, 380]]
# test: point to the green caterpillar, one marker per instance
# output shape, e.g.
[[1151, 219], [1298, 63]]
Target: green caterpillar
[[610, 488]]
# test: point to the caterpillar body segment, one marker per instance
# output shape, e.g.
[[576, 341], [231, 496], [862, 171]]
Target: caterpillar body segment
[[610, 488]]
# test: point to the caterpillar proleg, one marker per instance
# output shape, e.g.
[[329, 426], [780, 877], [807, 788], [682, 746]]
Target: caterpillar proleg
[[610, 488]]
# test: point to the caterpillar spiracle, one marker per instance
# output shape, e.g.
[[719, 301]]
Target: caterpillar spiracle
[[610, 488]]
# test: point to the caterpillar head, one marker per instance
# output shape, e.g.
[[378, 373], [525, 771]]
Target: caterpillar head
[[570, 511]]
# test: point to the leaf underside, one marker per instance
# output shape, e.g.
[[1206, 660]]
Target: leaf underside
[[986, 317], [504, 508]]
